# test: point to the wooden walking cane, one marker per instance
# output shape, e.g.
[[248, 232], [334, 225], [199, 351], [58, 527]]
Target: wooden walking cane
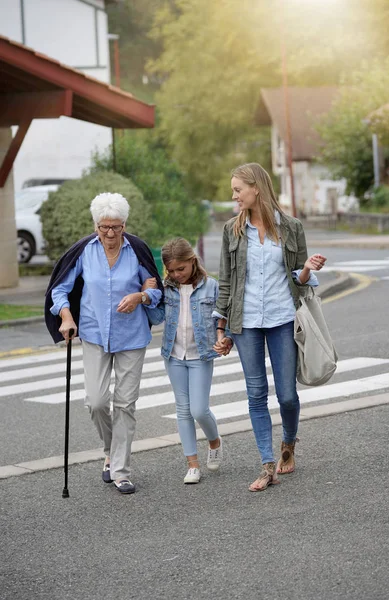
[[65, 491]]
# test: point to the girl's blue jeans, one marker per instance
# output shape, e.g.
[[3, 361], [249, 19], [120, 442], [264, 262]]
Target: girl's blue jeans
[[283, 357], [191, 382]]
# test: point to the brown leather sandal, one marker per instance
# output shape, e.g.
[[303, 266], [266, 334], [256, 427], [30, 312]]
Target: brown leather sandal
[[266, 478], [286, 464]]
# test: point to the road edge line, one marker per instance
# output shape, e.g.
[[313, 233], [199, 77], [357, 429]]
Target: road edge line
[[85, 456], [364, 282]]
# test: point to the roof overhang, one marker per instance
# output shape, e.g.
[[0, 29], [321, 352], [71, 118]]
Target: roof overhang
[[306, 105], [24, 71], [35, 86]]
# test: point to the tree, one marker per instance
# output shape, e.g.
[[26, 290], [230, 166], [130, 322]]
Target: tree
[[210, 91], [131, 20], [346, 131], [142, 157], [212, 58], [217, 55]]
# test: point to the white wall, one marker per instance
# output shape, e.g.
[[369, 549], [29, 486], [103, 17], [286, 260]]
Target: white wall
[[312, 184], [11, 20], [73, 32]]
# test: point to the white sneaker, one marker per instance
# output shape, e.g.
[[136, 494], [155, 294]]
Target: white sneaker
[[192, 476], [215, 457]]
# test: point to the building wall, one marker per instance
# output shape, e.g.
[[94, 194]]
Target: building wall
[[73, 32], [315, 192]]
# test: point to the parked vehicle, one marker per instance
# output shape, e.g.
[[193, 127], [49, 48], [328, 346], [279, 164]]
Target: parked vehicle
[[28, 223], [39, 182]]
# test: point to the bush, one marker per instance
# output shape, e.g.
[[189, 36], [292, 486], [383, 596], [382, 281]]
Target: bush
[[143, 157], [66, 214], [378, 200]]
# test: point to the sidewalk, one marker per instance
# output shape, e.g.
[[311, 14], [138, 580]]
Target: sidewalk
[[343, 239], [30, 291], [320, 535]]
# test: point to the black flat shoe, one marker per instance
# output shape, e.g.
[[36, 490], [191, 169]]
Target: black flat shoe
[[124, 486], [106, 474]]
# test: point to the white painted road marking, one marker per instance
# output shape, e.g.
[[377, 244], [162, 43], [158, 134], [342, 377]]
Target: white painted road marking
[[325, 392]]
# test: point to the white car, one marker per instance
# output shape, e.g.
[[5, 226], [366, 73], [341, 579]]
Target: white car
[[28, 223]]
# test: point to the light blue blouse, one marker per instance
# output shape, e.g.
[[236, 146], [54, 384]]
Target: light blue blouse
[[267, 300], [100, 323]]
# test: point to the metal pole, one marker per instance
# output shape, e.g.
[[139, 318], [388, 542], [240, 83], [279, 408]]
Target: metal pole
[[115, 38], [116, 61], [113, 150], [287, 114], [376, 160], [200, 247]]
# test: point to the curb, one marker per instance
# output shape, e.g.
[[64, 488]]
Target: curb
[[77, 458], [342, 282], [368, 244], [25, 321]]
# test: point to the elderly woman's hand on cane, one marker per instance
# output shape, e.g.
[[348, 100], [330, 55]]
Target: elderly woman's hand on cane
[[68, 327]]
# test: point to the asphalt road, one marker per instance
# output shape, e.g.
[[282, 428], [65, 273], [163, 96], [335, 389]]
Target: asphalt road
[[320, 535]]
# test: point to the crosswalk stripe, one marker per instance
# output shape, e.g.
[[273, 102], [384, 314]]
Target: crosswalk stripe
[[15, 375], [221, 368], [326, 392], [58, 398], [383, 262], [230, 387], [359, 269], [58, 355]]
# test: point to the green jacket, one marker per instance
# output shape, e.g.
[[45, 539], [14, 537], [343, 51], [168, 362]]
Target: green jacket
[[232, 271]]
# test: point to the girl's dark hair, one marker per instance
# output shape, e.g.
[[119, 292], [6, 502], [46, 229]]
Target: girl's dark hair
[[181, 250]]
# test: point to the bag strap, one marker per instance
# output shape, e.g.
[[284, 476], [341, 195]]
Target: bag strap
[[306, 292]]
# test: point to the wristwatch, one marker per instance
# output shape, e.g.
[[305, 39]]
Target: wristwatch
[[143, 297]]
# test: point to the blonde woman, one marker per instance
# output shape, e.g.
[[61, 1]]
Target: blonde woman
[[263, 263]]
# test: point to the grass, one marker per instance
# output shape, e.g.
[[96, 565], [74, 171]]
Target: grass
[[370, 230], [10, 312], [35, 270]]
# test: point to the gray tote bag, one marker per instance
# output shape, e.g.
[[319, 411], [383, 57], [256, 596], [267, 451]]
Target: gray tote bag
[[317, 357]]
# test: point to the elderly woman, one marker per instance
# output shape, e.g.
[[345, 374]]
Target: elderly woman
[[96, 290]]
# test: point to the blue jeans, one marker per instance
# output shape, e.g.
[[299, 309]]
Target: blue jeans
[[283, 357], [191, 382]]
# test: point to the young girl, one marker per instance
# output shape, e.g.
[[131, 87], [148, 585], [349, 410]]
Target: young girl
[[187, 347]]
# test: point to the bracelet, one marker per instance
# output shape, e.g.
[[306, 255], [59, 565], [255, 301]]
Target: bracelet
[[220, 328]]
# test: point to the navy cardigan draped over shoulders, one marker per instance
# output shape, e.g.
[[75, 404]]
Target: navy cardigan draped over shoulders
[[68, 261]]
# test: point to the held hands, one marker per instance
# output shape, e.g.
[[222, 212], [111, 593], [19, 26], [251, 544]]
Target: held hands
[[129, 303], [315, 262], [223, 346]]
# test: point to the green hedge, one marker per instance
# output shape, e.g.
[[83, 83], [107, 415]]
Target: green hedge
[[66, 214]]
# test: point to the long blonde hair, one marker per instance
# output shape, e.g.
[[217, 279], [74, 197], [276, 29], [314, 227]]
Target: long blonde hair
[[254, 175], [181, 250]]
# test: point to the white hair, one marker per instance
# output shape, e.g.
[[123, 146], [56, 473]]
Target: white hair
[[109, 206]]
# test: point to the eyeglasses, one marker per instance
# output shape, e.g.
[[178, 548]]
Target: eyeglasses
[[106, 228]]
